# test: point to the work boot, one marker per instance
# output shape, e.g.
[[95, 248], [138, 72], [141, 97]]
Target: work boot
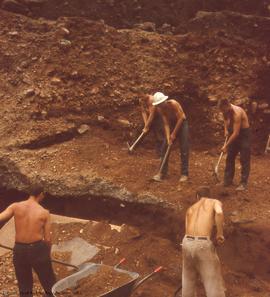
[[158, 177], [241, 187], [183, 179]]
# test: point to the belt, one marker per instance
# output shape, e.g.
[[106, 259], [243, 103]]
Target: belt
[[29, 244], [197, 237]]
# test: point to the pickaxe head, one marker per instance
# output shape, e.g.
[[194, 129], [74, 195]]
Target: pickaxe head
[[130, 148]]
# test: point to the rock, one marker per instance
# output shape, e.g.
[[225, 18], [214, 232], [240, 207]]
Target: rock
[[101, 118], [65, 44], [13, 33], [56, 80], [94, 91], [83, 129], [147, 26], [166, 29], [124, 122], [29, 92]]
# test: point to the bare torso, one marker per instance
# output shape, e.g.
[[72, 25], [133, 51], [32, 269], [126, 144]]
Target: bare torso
[[200, 218], [171, 111], [30, 219], [240, 113]]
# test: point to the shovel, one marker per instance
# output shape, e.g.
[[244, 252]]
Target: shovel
[[131, 147], [215, 173], [157, 177], [52, 260]]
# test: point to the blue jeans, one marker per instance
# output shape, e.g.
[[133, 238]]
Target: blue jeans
[[240, 145], [182, 137]]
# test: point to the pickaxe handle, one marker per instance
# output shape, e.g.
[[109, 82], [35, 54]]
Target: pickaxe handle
[[130, 148], [165, 158]]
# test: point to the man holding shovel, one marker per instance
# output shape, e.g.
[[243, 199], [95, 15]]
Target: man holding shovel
[[175, 127], [236, 127], [32, 243], [199, 254]]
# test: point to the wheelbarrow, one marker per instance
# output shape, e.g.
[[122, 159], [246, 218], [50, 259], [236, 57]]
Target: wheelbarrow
[[89, 268]]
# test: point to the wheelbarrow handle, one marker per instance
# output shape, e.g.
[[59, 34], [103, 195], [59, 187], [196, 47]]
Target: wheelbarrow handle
[[120, 262], [140, 282], [52, 260]]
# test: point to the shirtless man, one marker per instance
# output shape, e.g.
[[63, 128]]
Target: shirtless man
[[152, 119], [199, 253], [32, 243], [175, 127], [236, 128]]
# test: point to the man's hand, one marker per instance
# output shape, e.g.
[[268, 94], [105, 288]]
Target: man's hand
[[224, 149], [220, 239], [172, 138], [145, 129]]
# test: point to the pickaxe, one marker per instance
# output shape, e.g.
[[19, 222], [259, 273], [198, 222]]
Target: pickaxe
[[131, 147]]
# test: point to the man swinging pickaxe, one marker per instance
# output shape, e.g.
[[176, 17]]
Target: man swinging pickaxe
[[150, 118]]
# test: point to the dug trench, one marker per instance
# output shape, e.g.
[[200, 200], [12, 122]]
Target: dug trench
[[150, 236]]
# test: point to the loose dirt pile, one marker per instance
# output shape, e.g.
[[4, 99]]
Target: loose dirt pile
[[104, 280]]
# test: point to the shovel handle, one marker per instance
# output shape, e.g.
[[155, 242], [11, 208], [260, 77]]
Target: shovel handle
[[165, 158], [140, 282], [221, 155], [52, 260]]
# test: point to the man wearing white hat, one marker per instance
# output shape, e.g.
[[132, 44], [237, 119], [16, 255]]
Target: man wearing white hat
[[175, 127]]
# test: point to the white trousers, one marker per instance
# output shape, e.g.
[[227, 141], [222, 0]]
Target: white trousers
[[200, 259]]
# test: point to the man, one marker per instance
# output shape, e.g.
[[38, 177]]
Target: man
[[32, 243], [236, 128], [175, 127], [199, 253], [152, 120]]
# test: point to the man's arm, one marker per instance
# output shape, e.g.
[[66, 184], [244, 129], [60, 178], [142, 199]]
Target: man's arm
[[7, 213], [226, 132], [236, 131], [219, 220], [150, 119], [144, 115], [180, 118], [47, 229]]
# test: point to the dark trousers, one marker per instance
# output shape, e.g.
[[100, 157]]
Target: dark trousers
[[33, 256], [240, 145], [182, 137]]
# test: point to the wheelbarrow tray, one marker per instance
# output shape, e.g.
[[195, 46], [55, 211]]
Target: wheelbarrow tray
[[90, 269]]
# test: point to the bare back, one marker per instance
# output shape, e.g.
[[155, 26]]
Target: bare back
[[239, 114], [31, 220], [200, 218]]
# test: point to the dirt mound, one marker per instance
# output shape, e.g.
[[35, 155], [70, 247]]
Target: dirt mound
[[123, 13], [73, 70]]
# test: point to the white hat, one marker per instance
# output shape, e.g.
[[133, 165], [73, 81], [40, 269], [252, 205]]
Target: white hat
[[159, 98]]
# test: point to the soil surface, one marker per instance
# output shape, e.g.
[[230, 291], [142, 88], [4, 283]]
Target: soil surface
[[69, 90]]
